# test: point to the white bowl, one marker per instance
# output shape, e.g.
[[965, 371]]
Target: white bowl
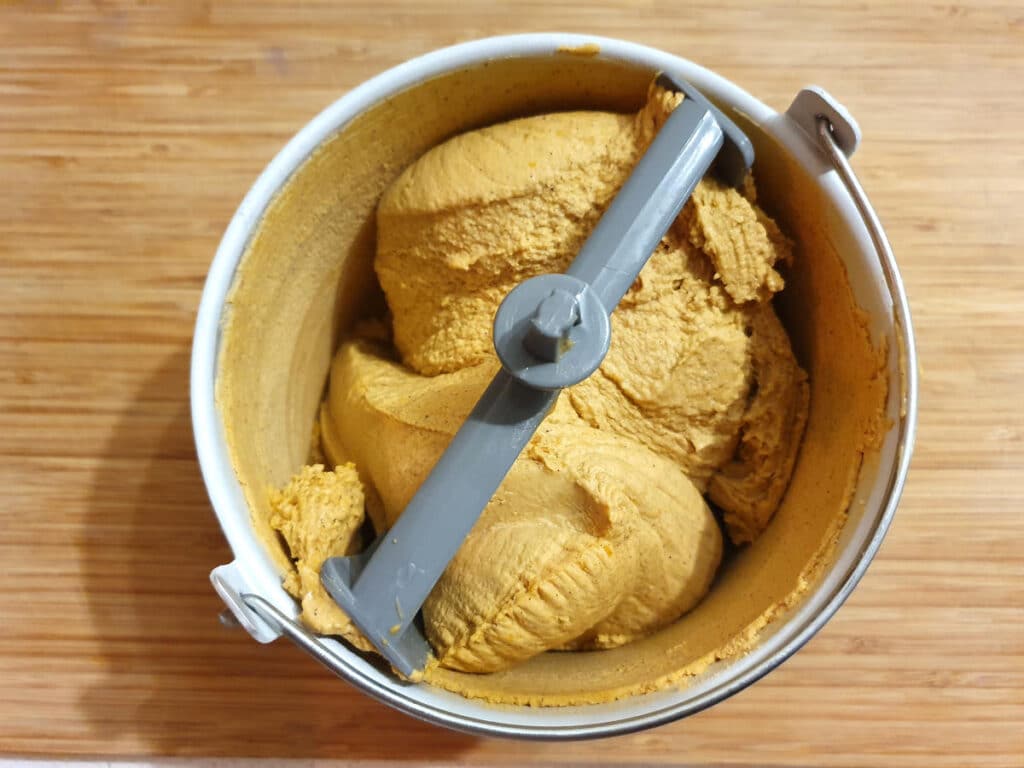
[[251, 585]]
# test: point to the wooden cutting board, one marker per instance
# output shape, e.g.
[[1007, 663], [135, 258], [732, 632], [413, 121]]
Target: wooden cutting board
[[128, 134]]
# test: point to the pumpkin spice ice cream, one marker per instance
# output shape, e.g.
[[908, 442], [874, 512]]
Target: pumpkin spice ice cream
[[603, 532]]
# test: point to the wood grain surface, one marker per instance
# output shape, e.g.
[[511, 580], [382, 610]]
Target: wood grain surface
[[129, 134]]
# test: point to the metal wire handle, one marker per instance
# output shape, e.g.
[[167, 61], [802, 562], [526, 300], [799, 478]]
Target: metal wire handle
[[893, 280], [860, 199]]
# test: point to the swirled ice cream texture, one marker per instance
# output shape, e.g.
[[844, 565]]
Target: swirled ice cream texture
[[602, 532]]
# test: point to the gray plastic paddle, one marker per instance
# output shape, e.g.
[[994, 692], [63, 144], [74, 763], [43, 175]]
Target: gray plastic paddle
[[551, 332]]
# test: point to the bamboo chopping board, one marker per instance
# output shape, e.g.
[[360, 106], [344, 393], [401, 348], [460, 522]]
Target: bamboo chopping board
[[128, 134]]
